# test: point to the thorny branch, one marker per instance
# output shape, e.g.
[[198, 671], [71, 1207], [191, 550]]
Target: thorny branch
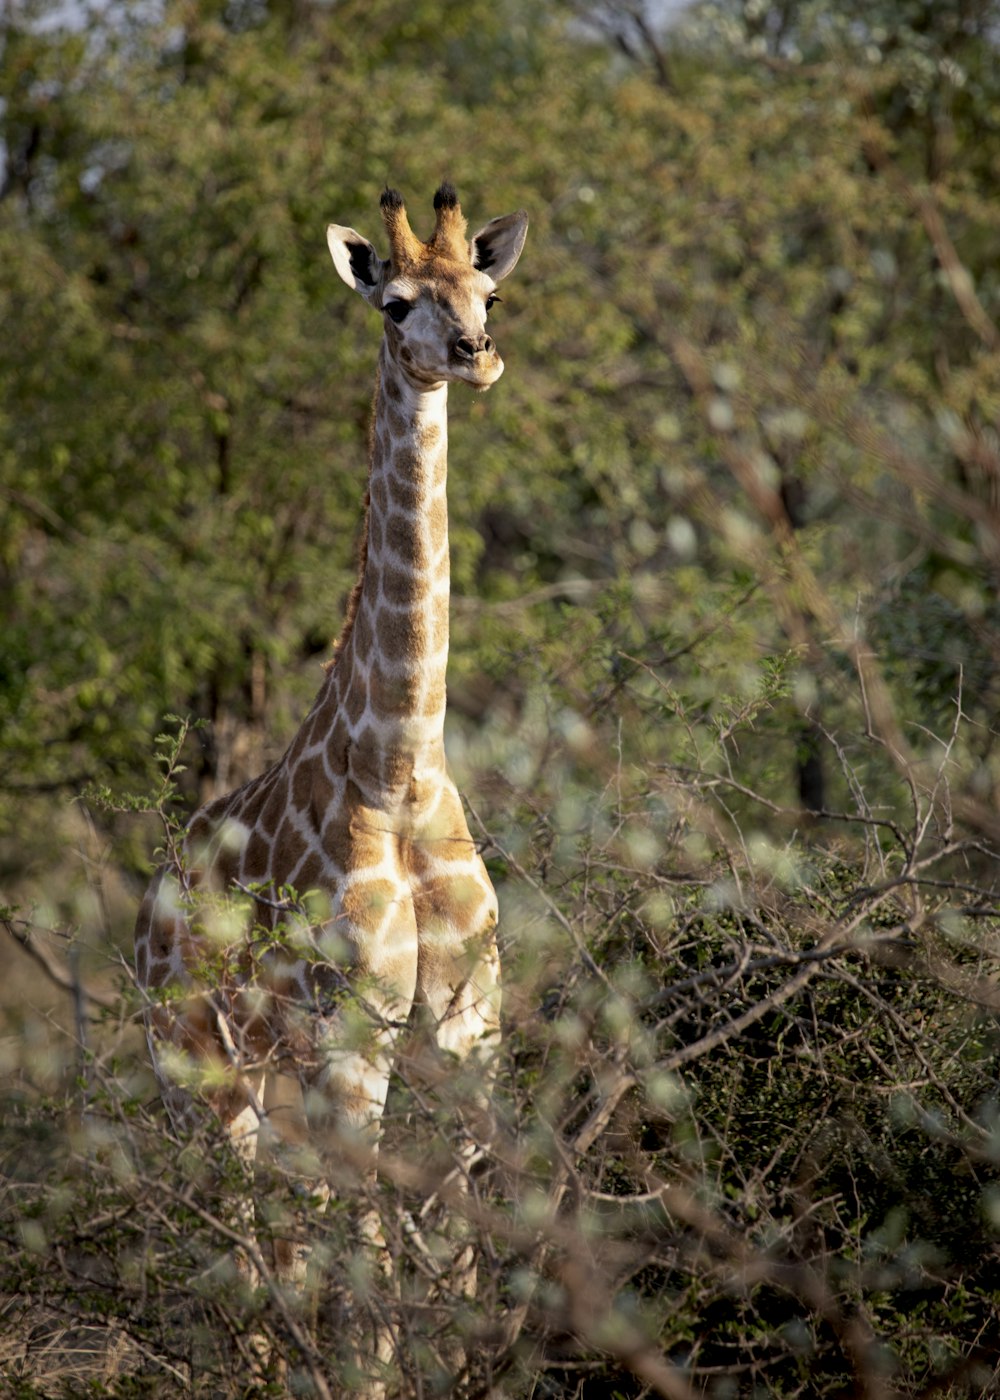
[[61, 973]]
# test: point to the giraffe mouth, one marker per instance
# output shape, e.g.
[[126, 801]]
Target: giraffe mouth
[[481, 371]]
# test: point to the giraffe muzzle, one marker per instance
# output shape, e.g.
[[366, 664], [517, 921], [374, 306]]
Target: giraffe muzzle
[[476, 360], [467, 347]]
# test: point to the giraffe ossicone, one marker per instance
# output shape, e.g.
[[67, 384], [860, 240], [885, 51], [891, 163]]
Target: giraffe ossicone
[[359, 817]]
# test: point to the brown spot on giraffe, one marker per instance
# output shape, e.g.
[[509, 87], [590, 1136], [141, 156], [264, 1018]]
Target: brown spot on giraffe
[[402, 589], [256, 858], [291, 846], [379, 490], [399, 534], [395, 631], [356, 699], [338, 745], [304, 780]]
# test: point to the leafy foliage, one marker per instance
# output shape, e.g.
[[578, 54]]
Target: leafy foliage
[[723, 684]]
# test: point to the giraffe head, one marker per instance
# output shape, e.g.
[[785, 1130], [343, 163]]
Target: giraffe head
[[434, 296]]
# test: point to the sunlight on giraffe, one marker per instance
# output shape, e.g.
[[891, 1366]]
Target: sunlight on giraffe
[[290, 1029]]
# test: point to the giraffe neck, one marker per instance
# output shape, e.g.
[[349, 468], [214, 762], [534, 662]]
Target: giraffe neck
[[390, 674]]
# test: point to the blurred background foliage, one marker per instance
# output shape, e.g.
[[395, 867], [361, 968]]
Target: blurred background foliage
[[726, 553]]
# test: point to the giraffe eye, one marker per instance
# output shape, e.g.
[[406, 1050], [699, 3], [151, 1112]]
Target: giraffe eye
[[397, 310], [492, 300]]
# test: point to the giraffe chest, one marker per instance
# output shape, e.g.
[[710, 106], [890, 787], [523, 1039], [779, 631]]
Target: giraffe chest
[[398, 887], [397, 908]]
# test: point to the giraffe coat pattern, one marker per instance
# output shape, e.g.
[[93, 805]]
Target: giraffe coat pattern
[[346, 873]]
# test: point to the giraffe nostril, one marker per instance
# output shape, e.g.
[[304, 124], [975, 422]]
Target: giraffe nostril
[[468, 346]]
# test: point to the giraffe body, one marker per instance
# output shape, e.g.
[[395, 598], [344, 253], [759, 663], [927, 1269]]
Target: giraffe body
[[392, 906]]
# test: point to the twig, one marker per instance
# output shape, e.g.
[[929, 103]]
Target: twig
[[57, 972]]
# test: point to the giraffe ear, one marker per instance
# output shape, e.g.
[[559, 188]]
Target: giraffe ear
[[497, 246], [355, 259]]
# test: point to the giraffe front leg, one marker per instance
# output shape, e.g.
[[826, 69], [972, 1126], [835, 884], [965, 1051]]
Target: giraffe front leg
[[452, 1064], [469, 1031], [354, 1047], [286, 1144], [244, 1135], [345, 1105], [452, 1058]]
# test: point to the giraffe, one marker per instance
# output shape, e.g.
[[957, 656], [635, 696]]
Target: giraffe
[[359, 816]]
